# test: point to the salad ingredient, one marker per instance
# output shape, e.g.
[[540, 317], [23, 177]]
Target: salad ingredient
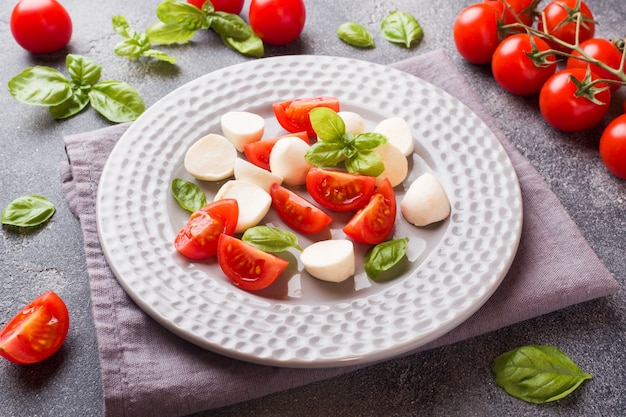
[[287, 160], [242, 127], [355, 34], [271, 239], [28, 211], [559, 18], [293, 115], [339, 190], [254, 202], [211, 158], [402, 28], [515, 9], [384, 256], [425, 201], [188, 195], [41, 26], [613, 146], [297, 212], [37, 331], [398, 133], [248, 172], [329, 260], [277, 22], [476, 33], [604, 51], [198, 237], [228, 6], [374, 223], [258, 153], [395, 163], [537, 373], [354, 123], [246, 266], [135, 44]]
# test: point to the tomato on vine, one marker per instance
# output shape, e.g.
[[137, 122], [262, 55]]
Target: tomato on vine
[[613, 147], [523, 9], [476, 33], [560, 18], [604, 51]]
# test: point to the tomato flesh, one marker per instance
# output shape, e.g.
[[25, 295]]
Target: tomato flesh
[[37, 331], [41, 26], [338, 190], [258, 152], [246, 266], [293, 115], [374, 223], [613, 146], [199, 236], [277, 22], [297, 212]]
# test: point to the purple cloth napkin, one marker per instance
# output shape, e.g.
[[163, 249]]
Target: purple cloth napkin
[[148, 371]]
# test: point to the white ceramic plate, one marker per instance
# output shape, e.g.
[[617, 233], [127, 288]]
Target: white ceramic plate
[[453, 267]]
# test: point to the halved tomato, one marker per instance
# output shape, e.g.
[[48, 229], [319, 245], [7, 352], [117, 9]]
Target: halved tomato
[[37, 331], [293, 115], [374, 223], [246, 266], [297, 212], [198, 237], [339, 190], [258, 152]]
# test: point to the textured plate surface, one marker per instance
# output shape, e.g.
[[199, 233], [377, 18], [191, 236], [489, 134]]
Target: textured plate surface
[[452, 269]]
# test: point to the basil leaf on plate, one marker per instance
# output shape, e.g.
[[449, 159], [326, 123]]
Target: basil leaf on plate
[[384, 256], [117, 101], [28, 211], [270, 239], [327, 124], [325, 153], [369, 140], [189, 195], [401, 27], [40, 86], [355, 34], [365, 162]]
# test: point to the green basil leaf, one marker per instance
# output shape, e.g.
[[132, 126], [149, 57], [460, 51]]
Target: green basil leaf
[[366, 163], [369, 140], [28, 211], [162, 34], [122, 28], [161, 56], [181, 14], [252, 46], [40, 86], [537, 373], [271, 239], [73, 105], [129, 48], [82, 70], [384, 256], [355, 34], [230, 25], [117, 101], [325, 153], [327, 124], [189, 195], [401, 27]]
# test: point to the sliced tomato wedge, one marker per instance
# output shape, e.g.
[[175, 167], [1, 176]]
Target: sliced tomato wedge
[[339, 190], [374, 223], [258, 152], [297, 212], [293, 115], [198, 237], [248, 267], [37, 331]]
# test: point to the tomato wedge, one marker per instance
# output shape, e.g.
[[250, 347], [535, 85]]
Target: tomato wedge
[[374, 223], [198, 237], [37, 331], [248, 267], [339, 190], [297, 212], [258, 152], [293, 115]]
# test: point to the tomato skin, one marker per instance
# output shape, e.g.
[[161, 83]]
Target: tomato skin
[[603, 50], [37, 331], [199, 236], [557, 23], [476, 34], [246, 266], [293, 115], [258, 152], [521, 8], [514, 71], [228, 6], [339, 190], [297, 212], [563, 110], [613, 147], [277, 22], [41, 26], [374, 223]]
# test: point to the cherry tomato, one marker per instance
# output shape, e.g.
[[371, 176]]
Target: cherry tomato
[[198, 238], [563, 110], [523, 9], [37, 331], [514, 71], [338, 190], [277, 22], [297, 212], [560, 21], [374, 223], [228, 6], [258, 152], [476, 33], [41, 26], [293, 115], [604, 51], [613, 147], [248, 267]]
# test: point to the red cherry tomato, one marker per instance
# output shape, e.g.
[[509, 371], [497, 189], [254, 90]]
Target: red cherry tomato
[[246, 266], [604, 51], [258, 152], [613, 147], [374, 223], [514, 71], [41, 26], [476, 33], [37, 331], [560, 21], [198, 238], [277, 22], [293, 115], [564, 110], [523, 9], [228, 6], [297, 212], [339, 190]]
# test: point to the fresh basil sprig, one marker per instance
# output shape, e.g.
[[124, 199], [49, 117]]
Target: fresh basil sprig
[[355, 34], [537, 373], [401, 27], [45, 86], [384, 256], [28, 211], [136, 44], [336, 146], [271, 239], [188, 195]]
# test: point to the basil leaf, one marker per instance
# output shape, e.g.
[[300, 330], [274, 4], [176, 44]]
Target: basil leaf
[[537, 373], [73, 105], [117, 101], [82, 70], [122, 28], [369, 140], [230, 25], [401, 27], [365, 162], [162, 34], [40, 86], [325, 154], [384, 256], [355, 34], [28, 211], [327, 124], [131, 48], [181, 14], [252, 46], [270, 239], [189, 195], [161, 56]]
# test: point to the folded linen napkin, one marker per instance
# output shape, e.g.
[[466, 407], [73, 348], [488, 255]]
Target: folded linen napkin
[[148, 371]]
